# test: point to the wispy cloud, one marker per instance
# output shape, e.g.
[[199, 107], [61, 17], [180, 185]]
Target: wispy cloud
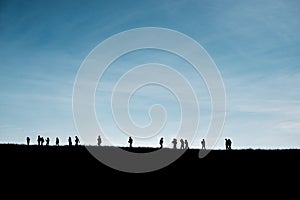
[[289, 126]]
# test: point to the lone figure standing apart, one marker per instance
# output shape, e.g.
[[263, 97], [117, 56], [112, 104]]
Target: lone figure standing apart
[[203, 144], [99, 140], [161, 141], [130, 141], [28, 140]]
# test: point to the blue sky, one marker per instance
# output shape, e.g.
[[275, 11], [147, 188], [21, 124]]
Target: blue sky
[[255, 45]]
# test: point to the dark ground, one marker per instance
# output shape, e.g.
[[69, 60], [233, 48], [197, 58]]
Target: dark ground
[[57, 167]]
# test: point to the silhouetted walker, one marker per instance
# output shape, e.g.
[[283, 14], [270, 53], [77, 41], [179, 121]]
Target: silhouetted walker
[[161, 141], [70, 141], [39, 140], [203, 144], [76, 141], [57, 141], [181, 144], [28, 140], [186, 144], [174, 143], [99, 140], [42, 141], [130, 141], [47, 141], [228, 144]]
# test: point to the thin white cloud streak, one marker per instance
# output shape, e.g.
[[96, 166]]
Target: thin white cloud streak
[[289, 126], [38, 97], [279, 107]]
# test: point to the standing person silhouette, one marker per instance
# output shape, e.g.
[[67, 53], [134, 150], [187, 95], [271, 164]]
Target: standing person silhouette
[[47, 141], [39, 140], [226, 143], [130, 141], [70, 141], [203, 144], [229, 144], [161, 141], [42, 141], [181, 144], [28, 140], [57, 141], [174, 143], [76, 141], [186, 144], [99, 140]]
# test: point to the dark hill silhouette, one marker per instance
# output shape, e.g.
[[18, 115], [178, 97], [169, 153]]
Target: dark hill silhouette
[[74, 165]]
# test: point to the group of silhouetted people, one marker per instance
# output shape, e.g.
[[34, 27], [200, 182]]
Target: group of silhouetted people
[[183, 143], [76, 141], [161, 142], [41, 140]]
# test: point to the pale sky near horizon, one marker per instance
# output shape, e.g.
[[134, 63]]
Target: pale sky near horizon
[[255, 45]]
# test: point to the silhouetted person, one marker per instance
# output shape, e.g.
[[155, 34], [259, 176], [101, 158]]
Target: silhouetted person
[[174, 143], [28, 140], [99, 140], [228, 144], [76, 141], [161, 141], [57, 141], [203, 144], [70, 141], [47, 141], [186, 144], [39, 140], [42, 141], [130, 141], [181, 144]]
